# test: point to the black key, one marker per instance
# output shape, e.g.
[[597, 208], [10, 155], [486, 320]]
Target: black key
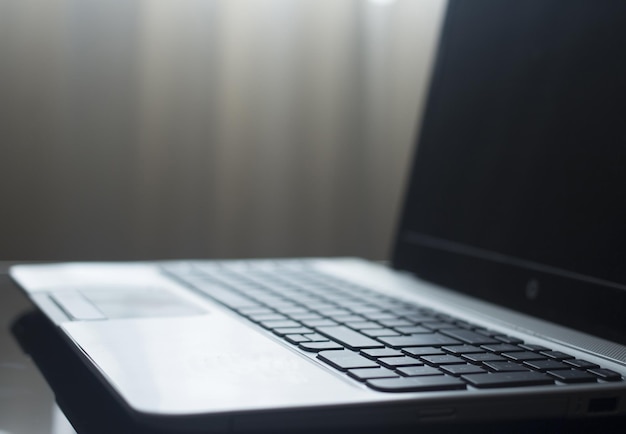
[[381, 352], [393, 362], [463, 369], [440, 325], [371, 373], [374, 333], [412, 330], [558, 355], [509, 340], [505, 366], [531, 347], [442, 360], [583, 364], [397, 322], [508, 379], [546, 365], [422, 340], [344, 360], [417, 384], [319, 346], [502, 348], [573, 376], [418, 371], [470, 337], [423, 351], [462, 349], [348, 337], [483, 357], [524, 356], [606, 374]]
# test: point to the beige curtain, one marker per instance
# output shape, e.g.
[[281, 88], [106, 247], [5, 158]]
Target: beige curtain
[[197, 128]]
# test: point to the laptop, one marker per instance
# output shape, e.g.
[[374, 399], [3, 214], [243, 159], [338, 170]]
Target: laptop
[[506, 291]]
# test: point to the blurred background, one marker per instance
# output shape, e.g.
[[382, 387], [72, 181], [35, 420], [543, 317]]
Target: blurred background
[[149, 129]]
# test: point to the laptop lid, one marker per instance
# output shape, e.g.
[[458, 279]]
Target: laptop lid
[[518, 189]]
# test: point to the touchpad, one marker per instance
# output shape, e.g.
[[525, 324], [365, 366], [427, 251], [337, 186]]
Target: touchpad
[[124, 302], [134, 302]]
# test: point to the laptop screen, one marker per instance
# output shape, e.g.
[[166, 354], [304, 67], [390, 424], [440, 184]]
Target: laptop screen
[[518, 192]]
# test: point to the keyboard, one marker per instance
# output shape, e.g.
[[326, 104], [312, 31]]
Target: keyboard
[[388, 344]]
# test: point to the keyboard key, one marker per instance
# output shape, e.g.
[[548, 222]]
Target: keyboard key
[[546, 365], [423, 351], [296, 339], [291, 331], [583, 364], [502, 348], [508, 379], [470, 337], [348, 337], [381, 352], [509, 340], [344, 360], [315, 337], [483, 357], [463, 369], [557, 355], [573, 376], [279, 324], [363, 325], [371, 373], [380, 332], [267, 317], [319, 346], [413, 330], [416, 384], [397, 322], [606, 374], [305, 316], [439, 325], [462, 349], [442, 360], [524, 356], [319, 323], [422, 340], [393, 362], [346, 319], [531, 347], [418, 371], [375, 316], [506, 366]]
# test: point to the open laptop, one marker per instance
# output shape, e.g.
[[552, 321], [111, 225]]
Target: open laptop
[[506, 293]]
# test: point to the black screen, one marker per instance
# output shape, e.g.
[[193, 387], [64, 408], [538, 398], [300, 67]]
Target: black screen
[[520, 172]]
